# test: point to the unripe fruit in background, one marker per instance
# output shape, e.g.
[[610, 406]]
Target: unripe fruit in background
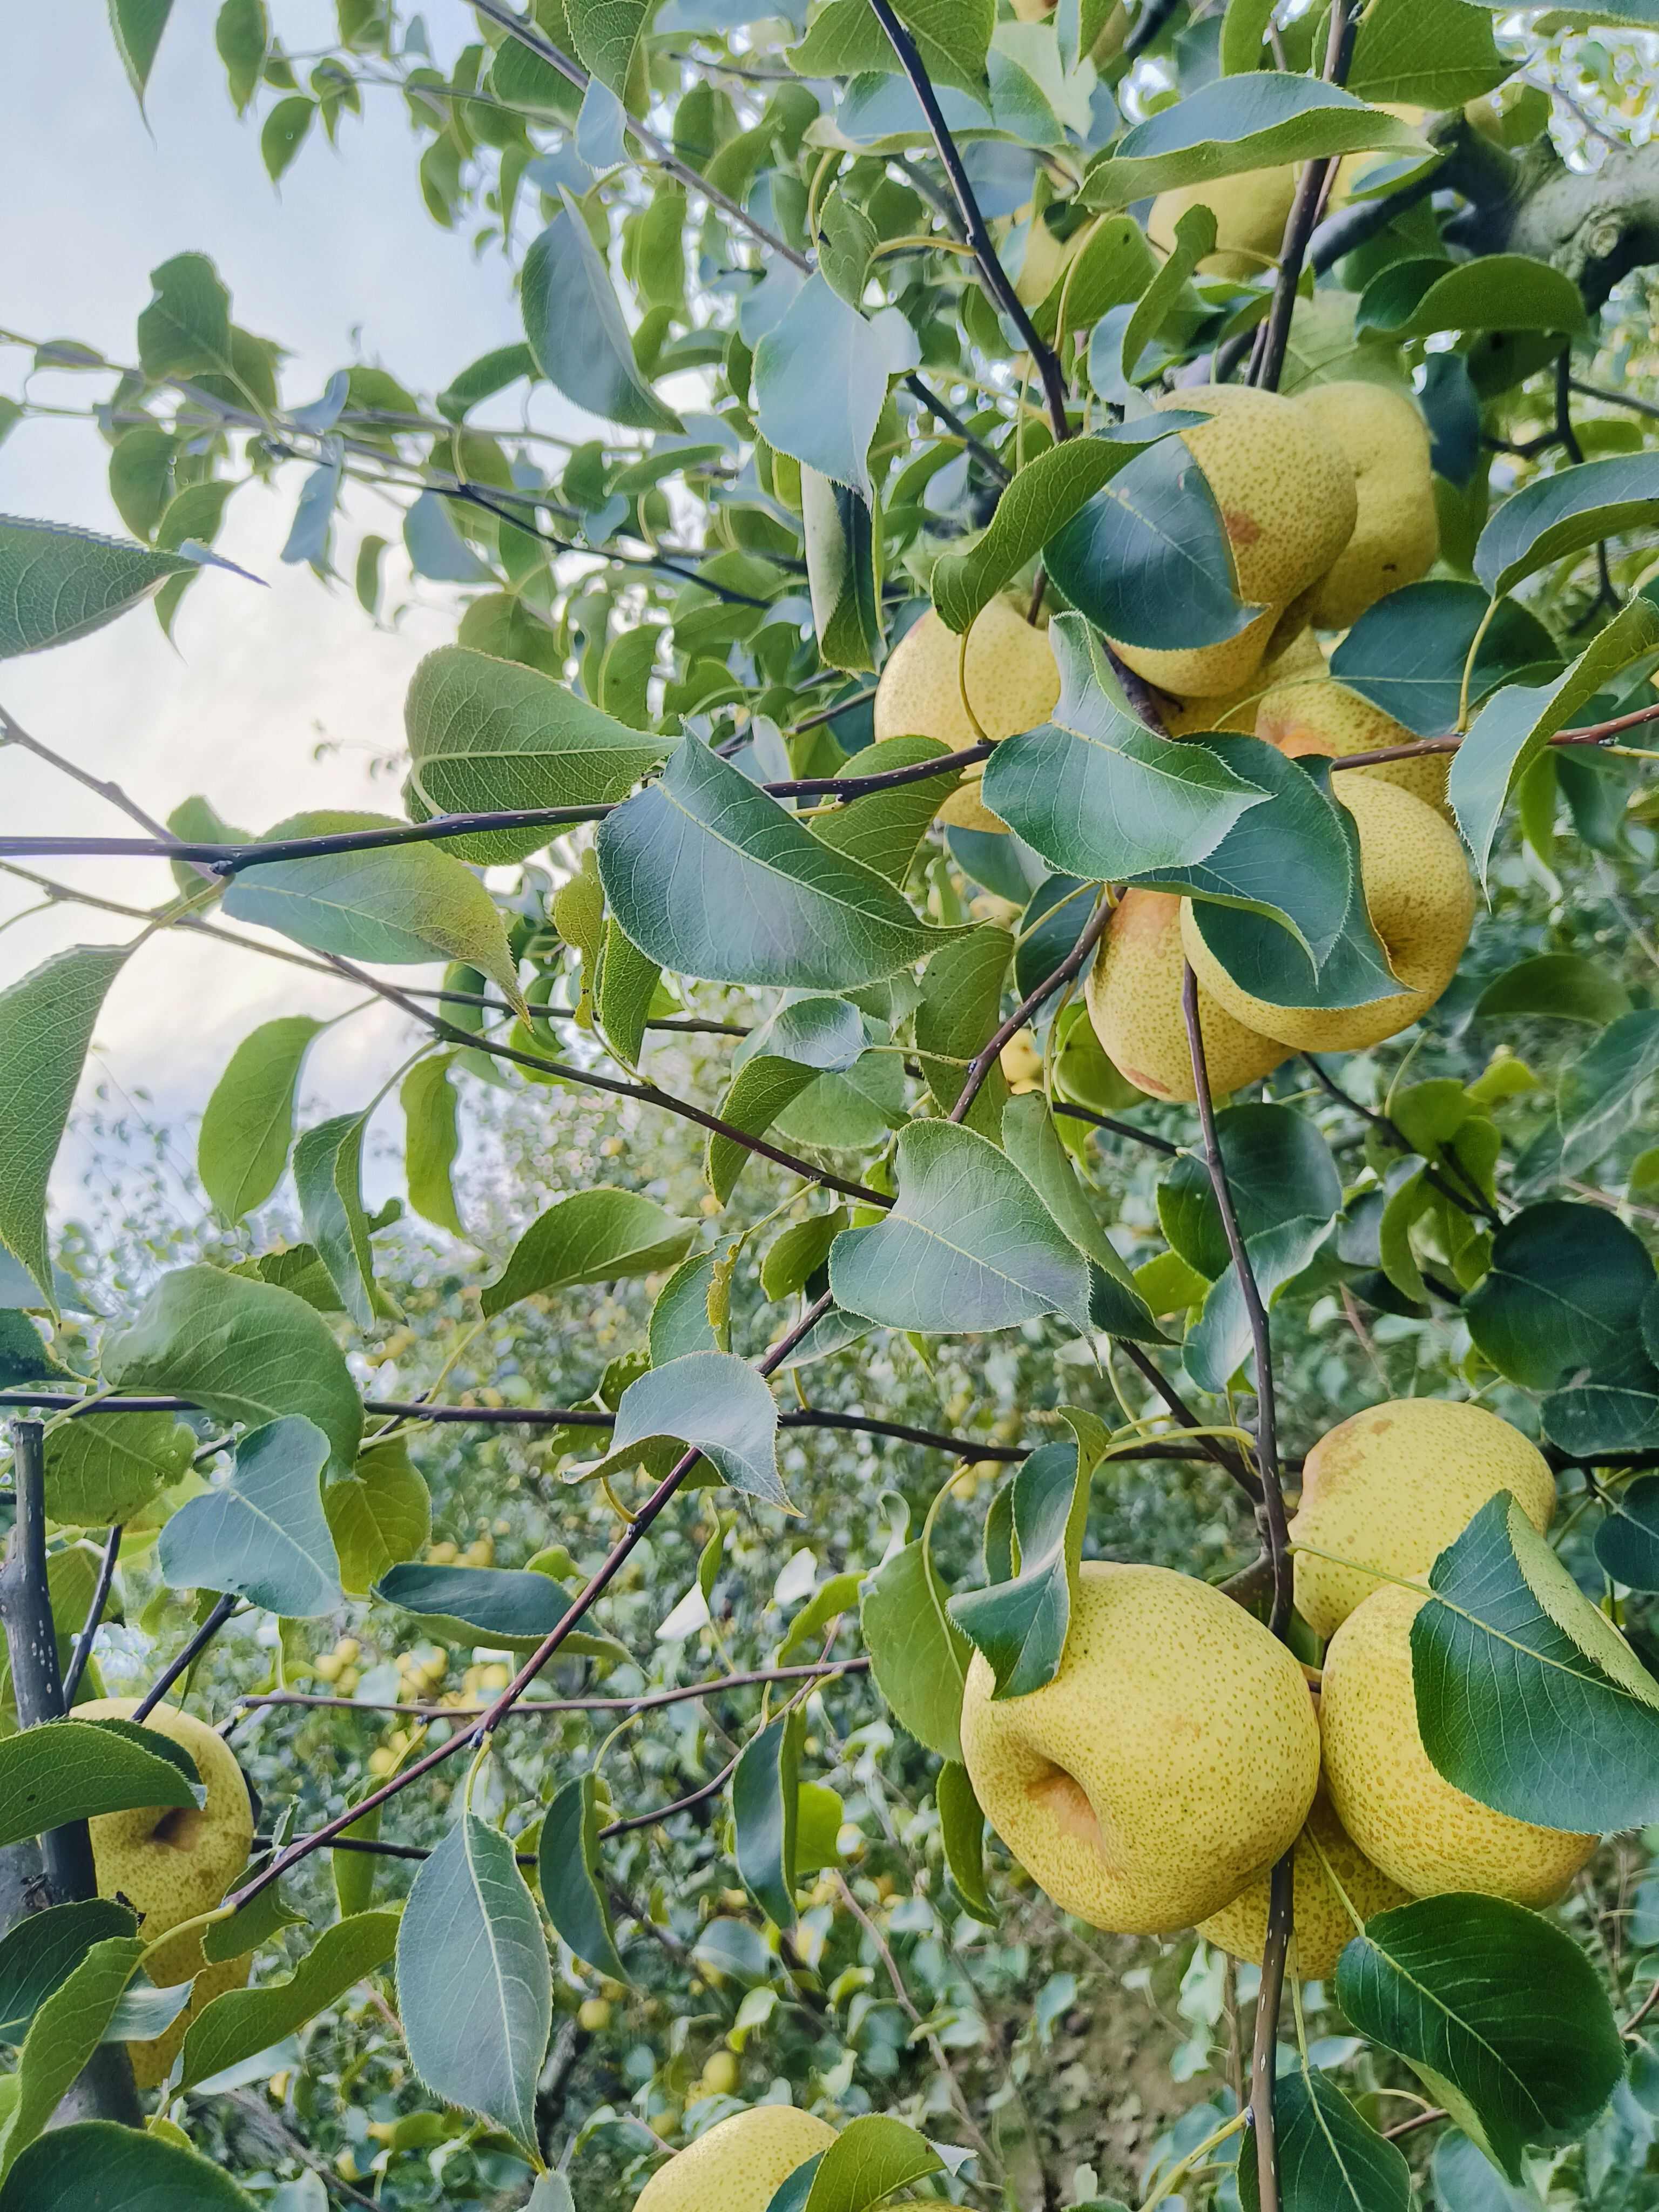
[[1250, 214], [1172, 1758], [1422, 906], [1324, 1925], [719, 2074], [1317, 714], [737, 2165], [171, 1863], [1392, 1487], [1013, 685], [1287, 503], [1397, 535], [1392, 1800], [1134, 997]]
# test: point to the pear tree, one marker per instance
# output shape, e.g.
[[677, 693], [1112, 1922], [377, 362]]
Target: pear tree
[[1095, 636]]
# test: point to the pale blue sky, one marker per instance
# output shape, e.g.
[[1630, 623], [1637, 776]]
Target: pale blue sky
[[258, 675]]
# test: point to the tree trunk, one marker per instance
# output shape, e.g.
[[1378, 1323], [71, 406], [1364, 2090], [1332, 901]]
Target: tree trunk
[[58, 1870]]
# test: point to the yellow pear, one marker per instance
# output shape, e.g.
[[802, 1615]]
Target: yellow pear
[[1240, 716], [737, 2166], [1133, 995], [1317, 714], [1250, 214], [1396, 536], [1389, 1489], [1288, 505], [1422, 904], [1397, 1806], [170, 1864], [1324, 1925], [1172, 1758], [1013, 685]]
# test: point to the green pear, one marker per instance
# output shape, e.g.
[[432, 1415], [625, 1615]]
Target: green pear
[[1172, 1759], [1315, 713], [1134, 997], [738, 2165], [1389, 1489], [1329, 1866], [1012, 683], [1392, 1799], [1397, 535]]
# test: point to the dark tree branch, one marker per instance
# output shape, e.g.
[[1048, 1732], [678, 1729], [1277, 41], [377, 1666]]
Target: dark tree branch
[[996, 280], [1264, 2049], [1153, 1143], [1470, 1199], [78, 1666], [66, 1873], [1067, 972], [221, 1613], [1268, 364]]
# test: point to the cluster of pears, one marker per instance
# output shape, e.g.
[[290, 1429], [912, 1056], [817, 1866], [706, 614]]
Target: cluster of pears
[[170, 1864], [1327, 503], [1181, 1751]]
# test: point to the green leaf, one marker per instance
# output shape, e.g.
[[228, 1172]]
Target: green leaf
[[248, 1125], [1289, 862], [568, 1871], [1032, 1142], [513, 1606], [872, 2159], [475, 1985], [328, 1177], [138, 25], [765, 1808], [1194, 241], [1098, 794], [71, 1769], [1563, 1292], [605, 33], [599, 1236], [713, 879], [712, 1399], [403, 904], [1529, 1699], [962, 1834], [761, 1089], [1147, 559], [1501, 2014], [575, 327], [141, 476], [626, 987], [1560, 983], [1595, 1099], [104, 1470], [379, 1514], [58, 583], [490, 736], [680, 1320], [185, 330], [1499, 292], [241, 33], [1516, 724], [968, 1245], [247, 1352], [1426, 53], [952, 39], [1243, 34], [1278, 1166], [101, 2163], [820, 380], [917, 1653], [1555, 515], [1043, 498], [884, 828], [828, 1603], [1236, 124], [62, 2036], [239, 2023], [961, 1005], [843, 571], [1329, 2159], [285, 129], [482, 379], [1020, 1626], [431, 1142], [262, 1533], [1627, 1541], [1222, 1339], [46, 1022], [1406, 654], [39, 1951]]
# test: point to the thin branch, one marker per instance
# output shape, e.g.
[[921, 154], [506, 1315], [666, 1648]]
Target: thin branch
[[223, 1609], [1267, 365], [1264, 2049], [997, 279], [100, 1590], [535, 1708], [1271, 1509], [1067, 972], [12, 732], [1470, 1199], [1210, 1448], [1153, 1144]]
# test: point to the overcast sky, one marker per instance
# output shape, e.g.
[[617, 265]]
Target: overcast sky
[[346, 264]]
